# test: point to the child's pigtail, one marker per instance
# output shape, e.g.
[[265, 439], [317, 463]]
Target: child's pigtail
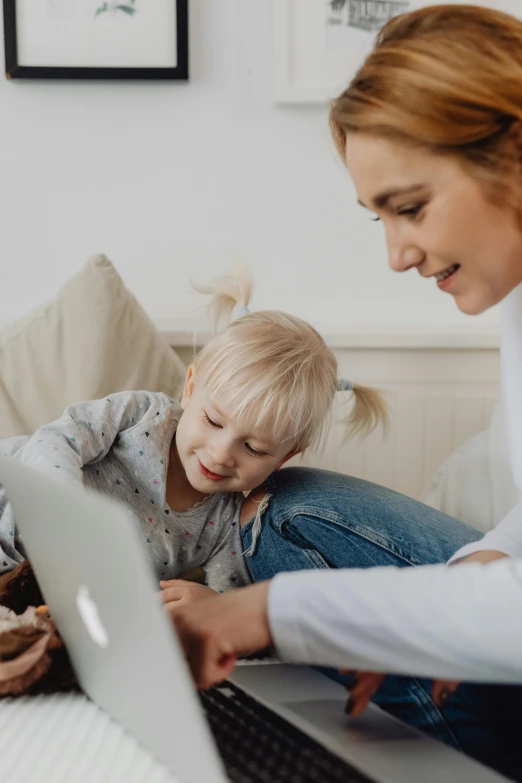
[[228, 293], [368, 411]]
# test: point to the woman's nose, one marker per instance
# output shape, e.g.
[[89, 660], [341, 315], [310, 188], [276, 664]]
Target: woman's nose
[[403, 254], [401, 258]]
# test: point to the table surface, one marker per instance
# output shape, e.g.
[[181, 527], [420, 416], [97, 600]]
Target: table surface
[[65, 738]]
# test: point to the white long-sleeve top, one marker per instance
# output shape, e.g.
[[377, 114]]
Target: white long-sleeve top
[[506, 537], [458, 623]]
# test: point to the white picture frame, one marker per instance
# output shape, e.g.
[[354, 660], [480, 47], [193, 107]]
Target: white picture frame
[[310, 67]]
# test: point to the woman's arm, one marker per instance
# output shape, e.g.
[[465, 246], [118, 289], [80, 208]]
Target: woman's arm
[[453, 623], [433, 621]]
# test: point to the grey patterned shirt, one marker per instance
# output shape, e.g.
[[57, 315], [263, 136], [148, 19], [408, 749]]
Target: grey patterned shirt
[[120, 446]]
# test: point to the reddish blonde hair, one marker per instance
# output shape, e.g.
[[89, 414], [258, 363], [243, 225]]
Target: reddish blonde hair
[[447, 78]]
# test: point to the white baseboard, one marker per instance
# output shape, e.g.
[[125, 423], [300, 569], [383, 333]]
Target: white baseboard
[[364, 336]]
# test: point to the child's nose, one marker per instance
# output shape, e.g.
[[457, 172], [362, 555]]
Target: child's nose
[[222, 454]]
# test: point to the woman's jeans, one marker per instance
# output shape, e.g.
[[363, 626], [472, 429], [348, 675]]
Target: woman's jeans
[[319, 519]]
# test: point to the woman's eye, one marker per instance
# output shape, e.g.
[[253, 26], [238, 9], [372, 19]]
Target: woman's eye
[[375, 219], [253, 452], [410, 211], [212, 423]]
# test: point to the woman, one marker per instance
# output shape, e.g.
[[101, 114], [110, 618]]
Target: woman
[[431, 133]]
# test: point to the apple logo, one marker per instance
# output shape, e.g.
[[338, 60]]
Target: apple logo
[[91, 617]]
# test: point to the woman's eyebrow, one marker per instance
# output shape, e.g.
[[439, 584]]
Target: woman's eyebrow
[[381, 200]]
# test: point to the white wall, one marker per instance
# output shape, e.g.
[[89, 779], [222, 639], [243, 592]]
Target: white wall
[[170, 179]]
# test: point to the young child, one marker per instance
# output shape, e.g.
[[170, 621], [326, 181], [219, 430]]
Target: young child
[[256, 395]]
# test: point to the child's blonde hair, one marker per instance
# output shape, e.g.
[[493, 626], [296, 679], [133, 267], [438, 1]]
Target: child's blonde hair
[[278, 370]]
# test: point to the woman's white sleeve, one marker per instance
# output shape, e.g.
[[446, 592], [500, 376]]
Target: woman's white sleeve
[[462, 623]]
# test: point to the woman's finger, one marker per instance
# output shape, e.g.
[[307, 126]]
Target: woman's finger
[[211, 659], [442, 691], [212, 663], [173, 606], [366, 684]]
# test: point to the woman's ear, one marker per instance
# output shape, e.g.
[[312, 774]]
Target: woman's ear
[[188, 390]]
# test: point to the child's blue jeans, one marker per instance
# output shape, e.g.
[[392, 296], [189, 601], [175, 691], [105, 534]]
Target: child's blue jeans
[[319, 519]]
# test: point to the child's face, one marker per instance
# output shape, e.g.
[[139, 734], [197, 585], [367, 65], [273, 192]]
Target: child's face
[[218, 454]]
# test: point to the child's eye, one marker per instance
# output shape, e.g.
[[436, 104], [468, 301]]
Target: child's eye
[[212, 423], [255, 453]]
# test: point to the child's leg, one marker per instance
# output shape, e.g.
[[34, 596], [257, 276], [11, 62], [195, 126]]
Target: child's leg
[[329, 520], [318, 519]]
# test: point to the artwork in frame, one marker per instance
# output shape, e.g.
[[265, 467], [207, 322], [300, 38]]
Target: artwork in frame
[[96, 39], [320, 44]]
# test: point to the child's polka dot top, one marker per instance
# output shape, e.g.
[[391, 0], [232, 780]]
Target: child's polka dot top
[[120, 446]]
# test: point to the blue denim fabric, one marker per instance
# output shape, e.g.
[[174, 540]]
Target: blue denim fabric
[[319, 519]]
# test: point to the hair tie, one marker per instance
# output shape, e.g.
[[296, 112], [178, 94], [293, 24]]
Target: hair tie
[[239, 311], [344, 385]]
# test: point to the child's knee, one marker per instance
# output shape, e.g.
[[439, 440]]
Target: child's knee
[[250, 506]]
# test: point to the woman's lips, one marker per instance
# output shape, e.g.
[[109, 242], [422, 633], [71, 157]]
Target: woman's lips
[[445, 285], [446, 277]]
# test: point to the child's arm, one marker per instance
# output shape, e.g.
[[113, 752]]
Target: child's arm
[[83, 434]]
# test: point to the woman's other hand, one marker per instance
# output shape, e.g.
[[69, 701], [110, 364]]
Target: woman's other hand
[[214, 632], [366, 685]]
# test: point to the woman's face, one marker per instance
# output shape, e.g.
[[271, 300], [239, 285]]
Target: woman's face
[[439, 220]]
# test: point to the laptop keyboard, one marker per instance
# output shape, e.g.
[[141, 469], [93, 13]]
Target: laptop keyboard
[[258, 746]]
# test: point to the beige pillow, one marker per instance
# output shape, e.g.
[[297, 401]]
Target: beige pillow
[[93, 339]]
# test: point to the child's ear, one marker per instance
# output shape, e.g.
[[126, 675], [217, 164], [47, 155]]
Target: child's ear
[[188, 390], [290, 455]]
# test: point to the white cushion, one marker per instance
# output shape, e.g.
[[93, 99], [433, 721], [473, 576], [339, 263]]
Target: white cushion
[[504, 494], [94, 338], [475, 484], [461, 487]]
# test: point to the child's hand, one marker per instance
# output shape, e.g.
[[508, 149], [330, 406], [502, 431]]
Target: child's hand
[[179, 592]]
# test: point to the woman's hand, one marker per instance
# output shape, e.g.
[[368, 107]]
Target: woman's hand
[[366, 685], [482, 556], [179, 592], [216, 631]]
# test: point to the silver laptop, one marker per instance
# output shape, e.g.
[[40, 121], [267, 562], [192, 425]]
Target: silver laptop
[[270, 722]]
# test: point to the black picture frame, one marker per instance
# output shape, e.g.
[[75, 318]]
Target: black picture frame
[[13, 70]]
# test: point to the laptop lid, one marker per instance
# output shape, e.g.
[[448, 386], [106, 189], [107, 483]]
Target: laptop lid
[[102, 594]]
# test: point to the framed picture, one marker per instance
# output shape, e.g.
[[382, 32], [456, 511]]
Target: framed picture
[[96, 39], [320, 44]]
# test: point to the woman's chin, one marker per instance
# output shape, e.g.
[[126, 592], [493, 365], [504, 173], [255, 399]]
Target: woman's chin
[[473, 304]]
